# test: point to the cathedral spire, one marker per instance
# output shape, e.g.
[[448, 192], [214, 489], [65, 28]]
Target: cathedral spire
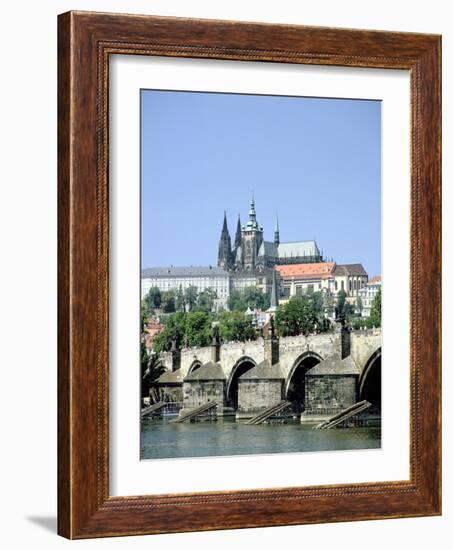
[[277, 233], [225, 224], [238, 238], [224, 259]]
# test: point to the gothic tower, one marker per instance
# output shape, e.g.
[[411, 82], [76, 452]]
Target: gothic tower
[[252, 237], [224, 260]]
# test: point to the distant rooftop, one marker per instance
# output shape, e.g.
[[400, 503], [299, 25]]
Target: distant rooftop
[[374, 280], [184, 271], [298, 249], [350, 269], [320, 270], [293, 249]]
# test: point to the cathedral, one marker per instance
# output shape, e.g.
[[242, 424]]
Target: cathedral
[[251, 254]]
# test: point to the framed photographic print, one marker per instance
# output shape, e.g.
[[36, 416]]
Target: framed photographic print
[[249, 275]]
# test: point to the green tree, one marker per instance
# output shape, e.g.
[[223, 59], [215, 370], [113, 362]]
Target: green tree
[[205, 300], [375, 314], [174, 324], [145, 312], [153, 298], [255, 299], [180, 302], [329, 305], [359, 305], [151, 368], [361, 322], [298, 316], [190, 297], [251, 297], [235, 325], [198, 329], [169, 301], [236, 302], [318, 302], [341, 303]]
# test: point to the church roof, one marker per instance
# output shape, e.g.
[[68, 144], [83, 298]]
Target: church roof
[[297, 249], [350, 270], [318, 270], [189, 271]]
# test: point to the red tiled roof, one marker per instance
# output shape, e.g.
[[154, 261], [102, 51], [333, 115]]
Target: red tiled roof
[[319, 270], [375, 279]]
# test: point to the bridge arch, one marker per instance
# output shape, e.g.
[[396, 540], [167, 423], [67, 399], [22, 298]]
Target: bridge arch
[[370, 380], [196, 364], [294, 389], [241, 366]]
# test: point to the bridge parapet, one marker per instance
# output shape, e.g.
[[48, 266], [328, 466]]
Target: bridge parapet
[[320, 345], [363, 344], [232, 352]]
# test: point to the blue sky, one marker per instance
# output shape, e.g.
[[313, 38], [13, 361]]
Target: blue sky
[[314, 162]]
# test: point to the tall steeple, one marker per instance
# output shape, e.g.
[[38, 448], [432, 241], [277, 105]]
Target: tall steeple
[[225, 223], [238, 238], [224, 260], [251, 224], [277, 233]]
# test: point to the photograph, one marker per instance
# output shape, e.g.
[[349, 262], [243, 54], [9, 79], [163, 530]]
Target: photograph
[[261, 279]]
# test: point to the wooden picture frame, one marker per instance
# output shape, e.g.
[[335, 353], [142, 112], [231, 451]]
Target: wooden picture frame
[[85, 42]]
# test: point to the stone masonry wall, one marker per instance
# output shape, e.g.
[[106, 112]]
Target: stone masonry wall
[[257, 395], [330, 394], [198, 392], [231, 353], [292, 347], [171, 393], [363, 344]]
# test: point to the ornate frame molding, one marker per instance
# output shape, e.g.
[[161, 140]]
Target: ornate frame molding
[[86, 40]]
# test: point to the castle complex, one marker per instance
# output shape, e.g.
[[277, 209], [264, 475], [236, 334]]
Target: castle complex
[[253, 254], [297, 267]]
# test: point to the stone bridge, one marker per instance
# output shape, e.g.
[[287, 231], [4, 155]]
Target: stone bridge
[[319, 373]]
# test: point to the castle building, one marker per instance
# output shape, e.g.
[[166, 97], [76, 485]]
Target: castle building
[[251, 253], [327, 277], [300, 279], [292, 268], [199, 277]]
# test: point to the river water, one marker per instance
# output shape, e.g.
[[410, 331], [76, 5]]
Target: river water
[[226, 437]]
